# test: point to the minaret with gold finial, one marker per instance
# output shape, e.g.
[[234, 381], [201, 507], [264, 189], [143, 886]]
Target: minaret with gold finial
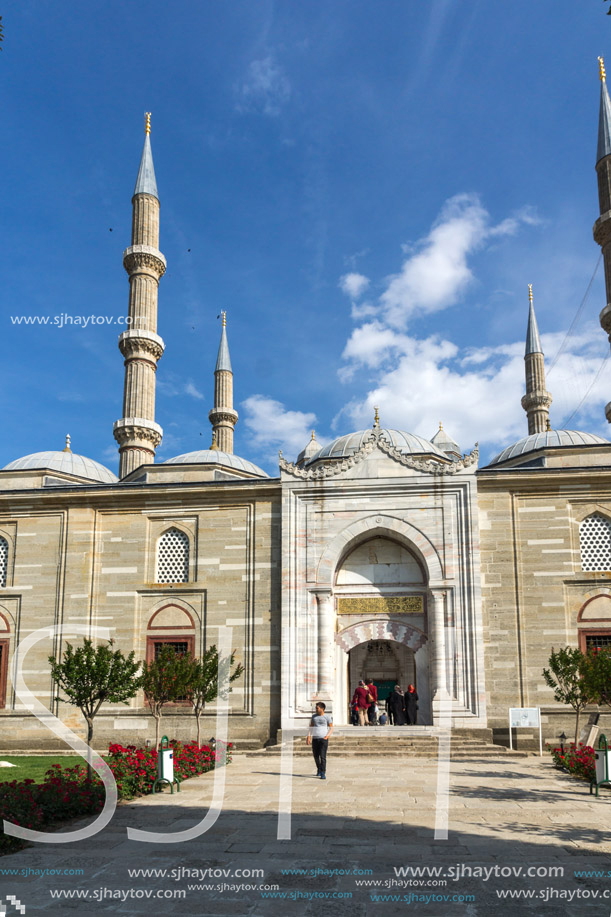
[[602, 227], [222, 416], [536, 402], [136, 432]]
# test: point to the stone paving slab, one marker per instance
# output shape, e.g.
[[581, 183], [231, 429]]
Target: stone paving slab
[[371, 814]]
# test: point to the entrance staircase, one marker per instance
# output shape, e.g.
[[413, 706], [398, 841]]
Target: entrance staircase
[[403, 742]]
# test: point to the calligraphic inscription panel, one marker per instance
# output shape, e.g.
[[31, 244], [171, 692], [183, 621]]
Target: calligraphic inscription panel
[[380, 604]]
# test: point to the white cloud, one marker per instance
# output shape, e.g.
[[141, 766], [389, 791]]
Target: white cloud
[[272, 427], [353, 284], [190, 389], [477, 393], [436, 272], [266, 88]]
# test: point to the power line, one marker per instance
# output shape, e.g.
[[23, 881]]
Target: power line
[[577, 316], [566, 422]]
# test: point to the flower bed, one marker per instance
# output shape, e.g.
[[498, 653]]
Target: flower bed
[[577, 761], [66, 793]]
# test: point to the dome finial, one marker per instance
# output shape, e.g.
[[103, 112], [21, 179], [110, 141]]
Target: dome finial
[[147, 122], [530, 293], [549, 426], [313, 435], [601, 70], [213, 444], [224, 314], [67, 446], [440, 425], [376, 417]]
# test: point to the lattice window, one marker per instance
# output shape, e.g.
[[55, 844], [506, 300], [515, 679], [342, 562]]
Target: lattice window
[[173, 557], [600, 641], [3, 560], [595, 542]]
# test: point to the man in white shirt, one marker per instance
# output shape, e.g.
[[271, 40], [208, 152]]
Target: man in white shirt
[[321, 727]]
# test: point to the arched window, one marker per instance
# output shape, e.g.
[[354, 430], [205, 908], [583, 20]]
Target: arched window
[[3, 560], [173, 557], [595, 542]]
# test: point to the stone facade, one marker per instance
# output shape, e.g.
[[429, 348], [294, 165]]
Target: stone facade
[[88, 555]]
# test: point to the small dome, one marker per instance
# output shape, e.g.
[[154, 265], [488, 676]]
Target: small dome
[[549, 439], [407, 443], [65, 461], [308, 453], [445, 442], [216, 457]]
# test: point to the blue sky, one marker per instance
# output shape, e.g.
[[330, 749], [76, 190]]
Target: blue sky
[[366, 188]]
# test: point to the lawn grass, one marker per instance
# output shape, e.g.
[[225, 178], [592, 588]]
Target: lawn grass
[[34, 767]]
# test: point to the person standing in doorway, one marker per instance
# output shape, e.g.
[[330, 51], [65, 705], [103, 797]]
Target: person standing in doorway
[[397, 705], [372, 697], [411, 706], [321, 727], [362, 704]]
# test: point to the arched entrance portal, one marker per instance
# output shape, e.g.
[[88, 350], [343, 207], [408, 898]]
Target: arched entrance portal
[[380, 602], [384, 662]]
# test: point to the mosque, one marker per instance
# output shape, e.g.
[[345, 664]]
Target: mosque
[[381, 554]]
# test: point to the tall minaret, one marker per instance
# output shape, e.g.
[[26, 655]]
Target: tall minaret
[[137, 433], [222, 416], [537, 400], [602, 227]]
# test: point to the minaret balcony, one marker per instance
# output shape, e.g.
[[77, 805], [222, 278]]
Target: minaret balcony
[[139, 343], [144, 259]]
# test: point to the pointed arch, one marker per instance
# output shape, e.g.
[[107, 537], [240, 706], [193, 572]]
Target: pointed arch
[[376, 629], [595, 542], [383, 527]]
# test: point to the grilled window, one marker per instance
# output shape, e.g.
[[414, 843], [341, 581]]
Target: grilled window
[[173, 557], [595, 543]]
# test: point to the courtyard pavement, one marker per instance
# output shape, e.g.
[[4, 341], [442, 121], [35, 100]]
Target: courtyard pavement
[[371, 814]]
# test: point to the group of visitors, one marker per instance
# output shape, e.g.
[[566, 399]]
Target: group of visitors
[[401, 707]]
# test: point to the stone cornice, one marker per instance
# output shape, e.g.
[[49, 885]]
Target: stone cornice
[[137, 258], [376, 440]]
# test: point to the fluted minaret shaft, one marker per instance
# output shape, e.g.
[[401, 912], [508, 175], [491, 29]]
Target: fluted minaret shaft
[[537, 400], [137, 433], [602, 227], [223, 417]]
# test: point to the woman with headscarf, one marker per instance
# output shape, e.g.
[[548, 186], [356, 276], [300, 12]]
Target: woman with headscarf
[[411, 706], [396, 703]]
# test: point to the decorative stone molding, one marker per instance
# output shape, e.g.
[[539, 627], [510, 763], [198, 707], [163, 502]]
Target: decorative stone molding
[[223, 416], [137, 257], [135, 430], [536, 400], [605, 319], [602, 229], [135, 343], [365, 631], [376, 440]]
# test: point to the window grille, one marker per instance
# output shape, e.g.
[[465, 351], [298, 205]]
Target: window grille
[[598, 641], [3, 560], [173, 557], [595, 542]]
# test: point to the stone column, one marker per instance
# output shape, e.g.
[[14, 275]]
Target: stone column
[[326, 644], [437, 631]]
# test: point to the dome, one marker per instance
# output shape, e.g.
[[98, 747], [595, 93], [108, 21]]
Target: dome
[[407, 443], [549, 439], [216, 457], [65, 461]]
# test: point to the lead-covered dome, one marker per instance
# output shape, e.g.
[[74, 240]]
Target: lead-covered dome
[[407, 443], [66, 462], [546, 440], [216, 457]]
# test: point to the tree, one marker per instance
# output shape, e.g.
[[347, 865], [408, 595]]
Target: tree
[[91, 676], [597, 674], [208, 672], [567, 678], [166, 679]]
